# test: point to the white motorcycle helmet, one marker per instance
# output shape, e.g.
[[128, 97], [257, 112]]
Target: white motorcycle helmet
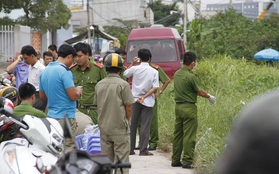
[[7, 104]]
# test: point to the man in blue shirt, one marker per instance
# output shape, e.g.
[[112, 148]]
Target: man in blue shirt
[[20, 69], [57, 86]]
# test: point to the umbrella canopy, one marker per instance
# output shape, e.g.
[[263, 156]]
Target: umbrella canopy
[[267, 54]]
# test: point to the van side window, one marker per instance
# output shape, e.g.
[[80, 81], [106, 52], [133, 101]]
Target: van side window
[[163, 50], [180, 50]]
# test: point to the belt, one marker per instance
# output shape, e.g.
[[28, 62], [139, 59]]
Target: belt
[[184, 102], [87, 107]]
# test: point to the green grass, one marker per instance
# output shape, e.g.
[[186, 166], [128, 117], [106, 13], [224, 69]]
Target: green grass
[[234, 83]]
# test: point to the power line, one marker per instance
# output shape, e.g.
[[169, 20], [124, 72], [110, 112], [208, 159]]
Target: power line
[[110, 20], [112, 2]]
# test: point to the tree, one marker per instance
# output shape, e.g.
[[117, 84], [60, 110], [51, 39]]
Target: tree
[[122, 30], [162, 13], [232, 34], [40, 14], [6, 21]]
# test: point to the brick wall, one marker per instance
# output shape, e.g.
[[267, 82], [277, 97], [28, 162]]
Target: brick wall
[[36, 40]]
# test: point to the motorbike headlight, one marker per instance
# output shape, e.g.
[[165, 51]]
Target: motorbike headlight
[[57, 138], [57, 142], [10, 159]]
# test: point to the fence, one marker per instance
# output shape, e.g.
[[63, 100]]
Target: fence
[[6, 43], [12, 38]]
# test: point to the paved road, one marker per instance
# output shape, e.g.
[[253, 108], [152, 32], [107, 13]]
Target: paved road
[[158, 163]]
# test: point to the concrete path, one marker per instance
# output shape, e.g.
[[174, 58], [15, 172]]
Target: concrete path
[[159, 163]]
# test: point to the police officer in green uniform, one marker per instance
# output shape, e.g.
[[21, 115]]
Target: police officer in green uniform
[[186, 89], [87, 74], [123, 54], [154, 133], [27, 94]]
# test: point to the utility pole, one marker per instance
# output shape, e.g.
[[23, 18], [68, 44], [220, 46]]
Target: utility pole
[[200, 4], [92, 28], [88, 23], [185, 21], [230, 3]]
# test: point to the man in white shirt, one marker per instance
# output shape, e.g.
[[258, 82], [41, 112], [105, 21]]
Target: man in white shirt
[[144, 84], [35, 68]]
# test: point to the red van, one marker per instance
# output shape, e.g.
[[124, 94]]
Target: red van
[[166, 46]]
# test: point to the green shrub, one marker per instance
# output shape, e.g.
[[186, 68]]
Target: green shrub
[[234, 82]]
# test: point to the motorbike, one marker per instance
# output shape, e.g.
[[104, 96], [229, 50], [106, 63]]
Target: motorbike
[[6, 80], [39, 141], [80, 162], [38, 147]]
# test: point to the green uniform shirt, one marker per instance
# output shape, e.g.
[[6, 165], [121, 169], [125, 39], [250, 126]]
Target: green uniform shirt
[[186, 86], [88, 79], [163, 77], [111, 97], [26, 108], [122, 74]]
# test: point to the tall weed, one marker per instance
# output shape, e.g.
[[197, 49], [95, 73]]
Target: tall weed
[[234, 83]]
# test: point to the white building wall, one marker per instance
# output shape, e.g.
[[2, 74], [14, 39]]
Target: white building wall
[[104, 11]]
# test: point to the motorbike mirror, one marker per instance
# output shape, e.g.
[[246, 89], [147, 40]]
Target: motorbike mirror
[[67, 127]]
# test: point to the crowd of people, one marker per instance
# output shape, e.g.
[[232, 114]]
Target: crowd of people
[[70, 81]]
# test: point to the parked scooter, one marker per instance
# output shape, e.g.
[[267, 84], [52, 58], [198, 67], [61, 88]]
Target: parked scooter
[[6, 80], [41, 142]]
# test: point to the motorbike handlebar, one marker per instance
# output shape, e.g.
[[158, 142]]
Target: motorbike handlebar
[[13, 118]]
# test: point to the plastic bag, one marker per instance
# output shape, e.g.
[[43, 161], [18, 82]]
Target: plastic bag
[[92, 129]]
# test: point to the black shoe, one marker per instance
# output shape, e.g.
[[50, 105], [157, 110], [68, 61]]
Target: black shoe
[[179, 164], [132, 153], [137, 148], [187, 166], [145, 153], [151, 148]]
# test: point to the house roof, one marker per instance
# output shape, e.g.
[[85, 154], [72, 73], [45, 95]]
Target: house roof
[[97, 33]]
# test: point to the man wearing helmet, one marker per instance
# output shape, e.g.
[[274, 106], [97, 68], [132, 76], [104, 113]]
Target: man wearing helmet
[[114, 99], [11, 93]]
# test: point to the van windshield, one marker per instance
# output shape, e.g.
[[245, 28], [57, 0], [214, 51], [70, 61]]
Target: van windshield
[[161, 50]]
